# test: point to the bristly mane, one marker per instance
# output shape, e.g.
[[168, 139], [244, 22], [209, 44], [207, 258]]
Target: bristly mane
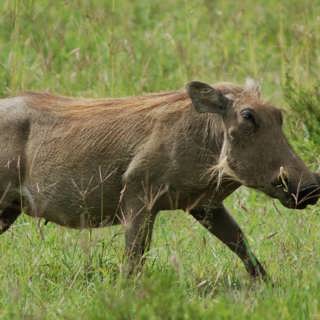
[[77, 107]]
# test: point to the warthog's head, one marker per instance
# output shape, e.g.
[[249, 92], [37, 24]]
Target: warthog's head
[[255, 150]]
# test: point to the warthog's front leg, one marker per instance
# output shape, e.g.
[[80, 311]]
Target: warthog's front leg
[[220, 223], [138, 232], [9, 215]]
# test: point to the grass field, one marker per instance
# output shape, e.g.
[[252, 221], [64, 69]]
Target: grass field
[[118, 48]]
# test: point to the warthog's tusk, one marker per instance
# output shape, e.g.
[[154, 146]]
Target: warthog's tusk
[[284, 178]]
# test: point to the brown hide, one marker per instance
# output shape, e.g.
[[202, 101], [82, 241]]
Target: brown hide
[[73, 160]]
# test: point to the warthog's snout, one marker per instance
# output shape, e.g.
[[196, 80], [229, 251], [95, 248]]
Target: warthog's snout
[[298, 195], [307, 195]]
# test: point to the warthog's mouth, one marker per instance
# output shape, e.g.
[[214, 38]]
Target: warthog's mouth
[[307, 196]]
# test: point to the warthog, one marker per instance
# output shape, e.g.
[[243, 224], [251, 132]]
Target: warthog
[[87, 163]]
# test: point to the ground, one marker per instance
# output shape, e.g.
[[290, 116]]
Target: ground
[[120, 48]]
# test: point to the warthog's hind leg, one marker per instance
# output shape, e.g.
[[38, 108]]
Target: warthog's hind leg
[[9, 215], [220, 223]]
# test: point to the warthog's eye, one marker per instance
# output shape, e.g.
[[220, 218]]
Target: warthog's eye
[[248, 115]]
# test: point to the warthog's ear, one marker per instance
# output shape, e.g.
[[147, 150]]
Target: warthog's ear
[[206, 98], [252, 86]]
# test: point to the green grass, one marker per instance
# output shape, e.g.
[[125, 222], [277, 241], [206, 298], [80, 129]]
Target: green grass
[[118, 48]]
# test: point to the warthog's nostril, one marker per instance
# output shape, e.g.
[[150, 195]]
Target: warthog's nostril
[[307, 195]]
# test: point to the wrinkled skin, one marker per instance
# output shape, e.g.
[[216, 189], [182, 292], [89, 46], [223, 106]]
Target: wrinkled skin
[[87, 164]]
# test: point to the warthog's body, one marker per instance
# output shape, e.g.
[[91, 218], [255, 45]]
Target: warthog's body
[[76, 160], [90, 163]]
